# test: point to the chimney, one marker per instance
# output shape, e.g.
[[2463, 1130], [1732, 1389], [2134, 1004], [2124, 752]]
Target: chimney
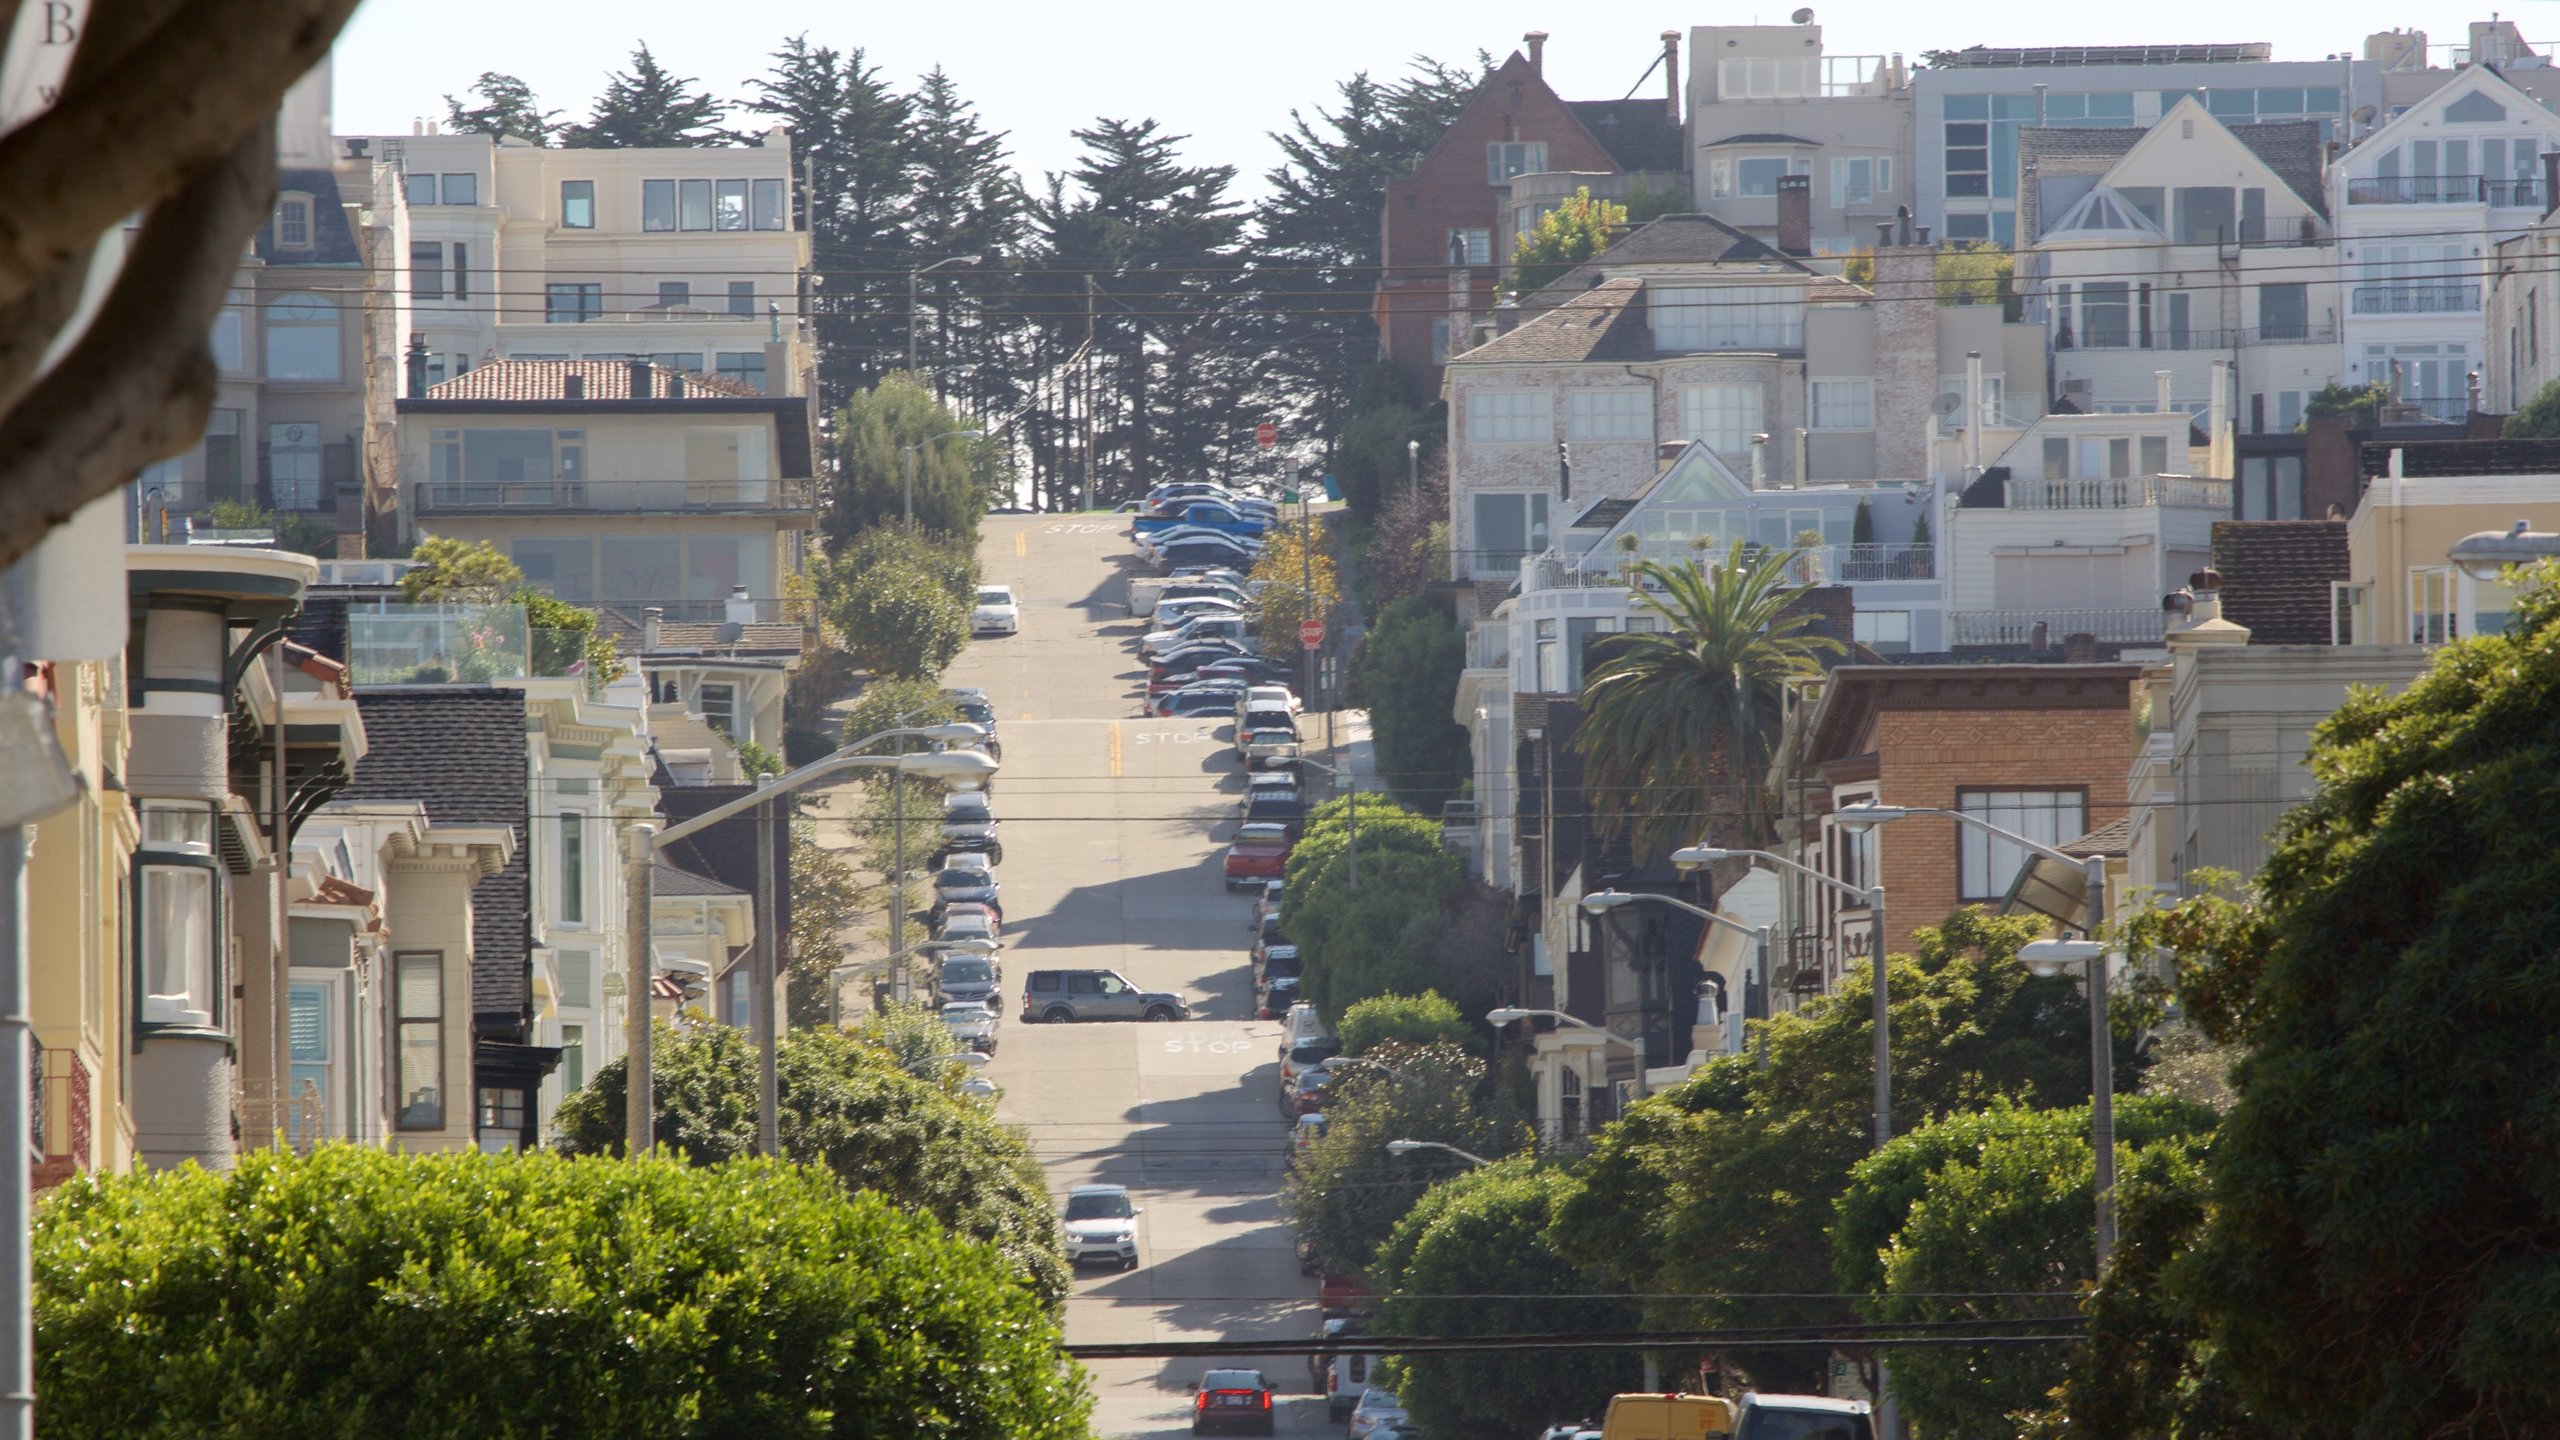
[[738, 610], [1906, 357], [650, 619], [642, 386], [1795, 214], [1536, 40], [675, 386], [2550, 181], [1902, 222], [417, 367], [2203, 624], [1671, 72], [2080, 647], [573, 387]]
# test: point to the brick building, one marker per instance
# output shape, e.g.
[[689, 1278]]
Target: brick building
[[2041, 750]]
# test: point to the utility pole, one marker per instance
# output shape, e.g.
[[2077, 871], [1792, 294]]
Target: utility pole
[[1088, 392], [767, 984], [1307, 573], [898, 880], [639, 1097]]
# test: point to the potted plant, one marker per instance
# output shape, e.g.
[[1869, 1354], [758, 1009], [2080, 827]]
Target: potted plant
[[1808, 557]]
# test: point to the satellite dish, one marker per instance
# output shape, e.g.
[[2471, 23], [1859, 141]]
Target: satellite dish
[[1946, 406], [1804, 16], [2363, 115]]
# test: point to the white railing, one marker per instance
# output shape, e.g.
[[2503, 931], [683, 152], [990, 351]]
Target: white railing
[[2131, 625], [2182, 492]]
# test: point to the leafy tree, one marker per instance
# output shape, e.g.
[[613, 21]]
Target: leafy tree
[[506, 107], [1484, 1233], [850, 1106], [967, 200], [1962, 1220], [1405, 674], [1347, 1192], [891, 596], [2539, 416], [649, 108], [467, 572], [564, 638], [1687, 715], [1387, 413], [1424, 1019], [1571, 233], [826, 901], [2361, 403], [1724, 1186], [908, 1035], [2383, 1244], [1352, 940], [1977, 272], [503, 1297], [1646, 202], [1410, 546], [1862, 527], [1285, 568], [955, 479], [891, 703]]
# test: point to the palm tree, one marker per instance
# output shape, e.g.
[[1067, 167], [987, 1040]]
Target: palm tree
[[1676, 714]]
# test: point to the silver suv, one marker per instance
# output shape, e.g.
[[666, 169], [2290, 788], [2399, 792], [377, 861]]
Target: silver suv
[[1063, 995]]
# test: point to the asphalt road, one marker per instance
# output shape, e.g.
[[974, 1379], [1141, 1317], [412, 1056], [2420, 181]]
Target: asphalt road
[[1114, 827]]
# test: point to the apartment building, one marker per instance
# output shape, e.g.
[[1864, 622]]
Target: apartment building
[[1767, 102]]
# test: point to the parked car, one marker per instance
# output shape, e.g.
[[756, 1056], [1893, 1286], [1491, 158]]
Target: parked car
[[1101, 1223], [1302, 1137], [1172, 610], [967, 922], [971, 1023], [1266, 933], [1266, 903], [977, 1087], [1212, 625], [1298, 1058], [1277, 994], [1801, 1417], [1376, 1413], [1278, 807], [1244, 669], [977, 709], [1268, 747], [1058, 996], [1279, 962], [971, 978], [1231, 1400], [1231, 595], [1208, 550], [1257, 855], [1307, 1096], [966, 880], [1194, 701], [996, 613], [969, 827], [1270, 696]]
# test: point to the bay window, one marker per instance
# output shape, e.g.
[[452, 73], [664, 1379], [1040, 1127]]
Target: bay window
[[1509, 526], [1986, 864], [1725, 417], [1614, 414], [1843, 404], [1502, 416], [418, 1037], [177, 882]]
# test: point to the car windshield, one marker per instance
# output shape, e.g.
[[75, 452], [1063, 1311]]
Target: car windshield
[[995, 597], [1379, 1400], [966, 972], [1111, 1206], [969, 1010], [1233, 1380], [1770, 1422], [1283, 966], [966, 807], [1313, 1051], [958, 879]]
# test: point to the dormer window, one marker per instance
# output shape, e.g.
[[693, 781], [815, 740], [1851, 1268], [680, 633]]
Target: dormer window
[[293, 221]]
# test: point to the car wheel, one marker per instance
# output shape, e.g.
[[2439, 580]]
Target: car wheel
[[1059, 1015], [1129, 1264], [1160, 1015], [995, 855]]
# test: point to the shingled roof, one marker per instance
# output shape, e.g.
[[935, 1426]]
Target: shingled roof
[[460, 751], [2276, 576], [1605, 323], [540, 380], [2291, 148]]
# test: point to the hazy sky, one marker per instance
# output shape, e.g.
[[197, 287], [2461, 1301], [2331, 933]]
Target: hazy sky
[[1039, 71]]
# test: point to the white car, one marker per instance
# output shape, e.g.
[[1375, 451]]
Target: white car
[[996, 613], [1376, 1414], [1267, 697], [972, 1023], [978, 1087], [1170, 613], [1102, 1224]]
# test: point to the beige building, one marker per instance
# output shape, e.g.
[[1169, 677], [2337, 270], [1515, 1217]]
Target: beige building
[[1766, 102], [2402, 589]]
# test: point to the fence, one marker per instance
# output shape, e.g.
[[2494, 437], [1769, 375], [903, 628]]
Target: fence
[[2133, 625], [2131, 492]]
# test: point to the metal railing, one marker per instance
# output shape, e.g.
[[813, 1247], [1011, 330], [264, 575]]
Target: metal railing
[[298, 1121], [2131, 625], [629, 494], [2443, 190], [1852, 564], [2133, 492], [2190, 340], [2418, 297]]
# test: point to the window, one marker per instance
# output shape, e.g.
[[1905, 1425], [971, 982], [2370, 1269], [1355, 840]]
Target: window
[[1509, 525], [426, 270], [226, 340], [1986, 864], [222, 455], [1614, 414], [675, 292], [719, 705], [572, 304], [1886, 632], [293, 465], [744, 366], [2270, 487], [577, 204], [1723, 416], [302, 338], [2475, 109], [418, 1037], [2430, 605], [573, 868], [1470, 247], [176, 879], [657, 204], [730, 207], [312, 1087], [1504, 416], [461, 275], [293, 222], [1504, 159], [1769, 78], [501, 1119], [462, 189], [770, 211], [2105, 315], [420, 189], [573, 1059], [1731, 317], [1759, 174], [2284, 312], [1860, 179], [1843, 404], [742, 297], [693, 204], [577, 977], [1968, 158], [2350, 612]]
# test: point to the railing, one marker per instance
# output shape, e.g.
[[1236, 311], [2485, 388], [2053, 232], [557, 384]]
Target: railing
[[2447, 409], [1552, 572], [2182, 492], [65, 1120], [2192, 340], [2133, 625], [1489, 564], [364, 572], [460, 644], [2434, 297], [613, 495], [298, 1121], [2443, 190], [1852, 564]]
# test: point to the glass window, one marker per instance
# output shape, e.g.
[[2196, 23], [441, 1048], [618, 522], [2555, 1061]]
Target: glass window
[[462, 189], [2430, 605], [2284, 312], [718, 702], [657, 204], [1887, 632], [226, 342], [742, 297], [730, 210], [2106, 315], [573, 1058], [2270, 487], [1843, 404], [307, 1007], [1725, 417], [302, 338], [418, 1038], [293, 222], [1504, 159], [1759, 174], [461, 281], [420, 189], [577, 977], [675, 292], [293, 465], [2155, 454], [744, 366], [693, 204], [1509, 525], [1860, 179], [573, 868], [502, 1119], [222, 455], [572, 304], [1470, 247], [577, 204], [1986, 864], [771, 211], [1613, 414], [1502, 416], [426, 270]]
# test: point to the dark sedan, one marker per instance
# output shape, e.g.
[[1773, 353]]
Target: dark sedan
[[1235, 1400], [1198, 700]]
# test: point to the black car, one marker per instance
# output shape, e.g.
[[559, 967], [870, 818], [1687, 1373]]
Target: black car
[[1204, 550], [965, 885], [1278, 994], [1236, 1400], [1189, 657], [977, 709]]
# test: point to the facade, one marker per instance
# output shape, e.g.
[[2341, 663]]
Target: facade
[[81, 945], [625, 485], [1766, 101], [2401, 587]]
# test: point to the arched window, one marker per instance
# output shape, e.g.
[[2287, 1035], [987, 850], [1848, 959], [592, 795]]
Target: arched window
[[302, 338]]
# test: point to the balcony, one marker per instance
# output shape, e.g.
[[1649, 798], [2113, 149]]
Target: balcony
[[2179, 492], [2444, 190], [2193, 340], [2132, 625], [625, 496], [2433, 297], [1859, 564], [459, 644]]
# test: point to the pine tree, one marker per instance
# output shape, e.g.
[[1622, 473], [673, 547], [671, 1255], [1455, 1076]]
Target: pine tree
[[650, 108], [506, 107], [967, 201]]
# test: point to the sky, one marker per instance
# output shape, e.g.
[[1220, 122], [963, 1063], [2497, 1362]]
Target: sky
[[1040, 71]]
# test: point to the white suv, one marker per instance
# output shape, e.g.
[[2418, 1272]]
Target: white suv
[[996, 612], [1102, 1224]]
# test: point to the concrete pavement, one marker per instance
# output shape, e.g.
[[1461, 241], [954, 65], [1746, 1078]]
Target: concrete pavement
[[1114, 827]]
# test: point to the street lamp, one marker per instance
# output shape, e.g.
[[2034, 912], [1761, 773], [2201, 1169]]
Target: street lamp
[[2057, 955], [1412, 466], [1407, 1147], [2486, 555], [640, 1099], [1754, 1003], [912, 277], [907, 454], [1510, 1014]]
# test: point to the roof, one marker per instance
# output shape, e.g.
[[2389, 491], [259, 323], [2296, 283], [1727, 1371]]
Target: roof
[[460, 751], [1638, 134], [2291, 148], [2276, 576], [666, 879], [2445, 458], [1603, 513], [1986, 57], [1856, 693], [517, 380], [333, 240], [2113, 838], [1605, 323], [1759, 137], [724, 853], [1670, 240], [707, 637]]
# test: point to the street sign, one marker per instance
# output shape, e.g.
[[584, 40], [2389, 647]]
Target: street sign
[[1288, 497], [1310, 633], [1266, 434]]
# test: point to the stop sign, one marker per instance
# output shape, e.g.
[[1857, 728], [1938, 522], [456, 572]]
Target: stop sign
[[1311, 633], [1266, 434]]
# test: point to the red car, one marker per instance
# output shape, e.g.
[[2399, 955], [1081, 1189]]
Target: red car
[[1232, 1400], [1260, 853]]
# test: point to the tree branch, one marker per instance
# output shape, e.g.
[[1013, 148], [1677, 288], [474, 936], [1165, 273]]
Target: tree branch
[[137, 386], [153, 119]]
